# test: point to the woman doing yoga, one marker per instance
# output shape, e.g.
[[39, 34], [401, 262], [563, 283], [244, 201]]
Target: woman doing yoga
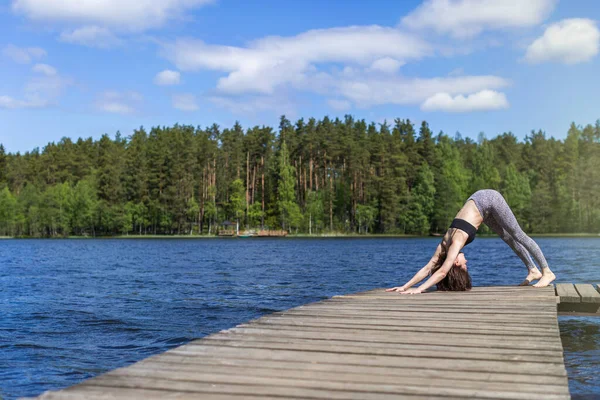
[[448, 266]]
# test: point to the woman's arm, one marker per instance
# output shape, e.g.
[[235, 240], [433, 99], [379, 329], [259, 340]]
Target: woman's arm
[[441, 273], [421, 274]]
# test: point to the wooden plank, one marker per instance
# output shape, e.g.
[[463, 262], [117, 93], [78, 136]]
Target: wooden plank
[[114, 386], [412, 300], [406, 315], [361, 333], [366, 334], [588, 293], [300, 388], [467, 343], [371, 383], [448, 308], [121, 393], [437, 295], [418, 319], [496, 305], [487, 330], [332, 346], [531, 344], [318, 369], [516, 307], [185, 371], [423, 320], [397, 296], [423, 298], [490, 366], [426, 297], [567, 293], [403, 316]]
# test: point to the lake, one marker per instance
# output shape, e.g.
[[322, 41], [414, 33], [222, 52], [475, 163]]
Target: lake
[[73, 309]]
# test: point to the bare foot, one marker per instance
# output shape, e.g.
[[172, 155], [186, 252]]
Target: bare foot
[[533, 275], [547, 278]]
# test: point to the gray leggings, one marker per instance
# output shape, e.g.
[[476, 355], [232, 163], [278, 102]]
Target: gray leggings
[[498, 216]]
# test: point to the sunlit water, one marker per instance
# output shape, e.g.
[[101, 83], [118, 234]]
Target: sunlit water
[[70, 310]]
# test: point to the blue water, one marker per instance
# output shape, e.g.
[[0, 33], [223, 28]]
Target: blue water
[[70, 310]]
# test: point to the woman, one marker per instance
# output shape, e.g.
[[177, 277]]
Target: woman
[[448, 266]]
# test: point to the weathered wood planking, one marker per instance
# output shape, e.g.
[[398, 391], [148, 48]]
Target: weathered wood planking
[[490, 343], [578, 298], [567, 293], [588, 293]]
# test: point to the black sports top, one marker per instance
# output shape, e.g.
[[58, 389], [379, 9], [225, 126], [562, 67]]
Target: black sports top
[[466, 227]]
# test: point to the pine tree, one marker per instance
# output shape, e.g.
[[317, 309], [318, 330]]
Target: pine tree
[[8, 210], [289, 211], [3, 174]]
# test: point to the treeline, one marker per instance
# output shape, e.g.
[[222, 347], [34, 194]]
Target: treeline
[[315, 176]]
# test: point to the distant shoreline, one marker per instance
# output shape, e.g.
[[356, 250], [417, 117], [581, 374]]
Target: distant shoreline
[[303, 236]]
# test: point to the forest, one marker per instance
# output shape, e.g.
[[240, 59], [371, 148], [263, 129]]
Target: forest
[[328, 176]]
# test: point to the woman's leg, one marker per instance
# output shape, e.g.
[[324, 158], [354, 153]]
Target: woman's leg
[[504, 217], [533, 272]]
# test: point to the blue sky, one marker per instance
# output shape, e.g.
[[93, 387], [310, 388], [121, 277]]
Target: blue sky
[[84, 68]]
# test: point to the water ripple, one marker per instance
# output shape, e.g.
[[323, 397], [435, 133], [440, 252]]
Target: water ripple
[[70, 310]]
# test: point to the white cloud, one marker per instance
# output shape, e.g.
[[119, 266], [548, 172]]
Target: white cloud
[[366, 92], [480, 101], [361, 90], [353, 67], [23, 55], [48, 86], [44, 69], [124, 15], [167, 77], [569, 41], [255, 104], [118, 102], [42, 90], [468, 18], [91, 36], [339, 105], [185, 102], [386, 65], [274, 61], [457, 72], [11, 103], [116, 108]]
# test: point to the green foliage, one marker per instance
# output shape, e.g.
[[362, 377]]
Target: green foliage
[[289, 211], [84, 207], [255, 214], [452, 180], [517, 192], [237, 201], [417, 219], [314, 212], [312, 176], [365, 216], [8, 210]]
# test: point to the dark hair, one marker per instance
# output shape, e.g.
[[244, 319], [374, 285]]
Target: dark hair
[[456, 280]]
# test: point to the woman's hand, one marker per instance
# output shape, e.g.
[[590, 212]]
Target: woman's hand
[[412, 291], [396, 289]]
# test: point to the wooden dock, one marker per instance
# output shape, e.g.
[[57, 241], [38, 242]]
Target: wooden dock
[[489, 343], [578, 298]]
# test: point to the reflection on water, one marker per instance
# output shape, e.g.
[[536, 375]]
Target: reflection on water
[[581, 342]]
